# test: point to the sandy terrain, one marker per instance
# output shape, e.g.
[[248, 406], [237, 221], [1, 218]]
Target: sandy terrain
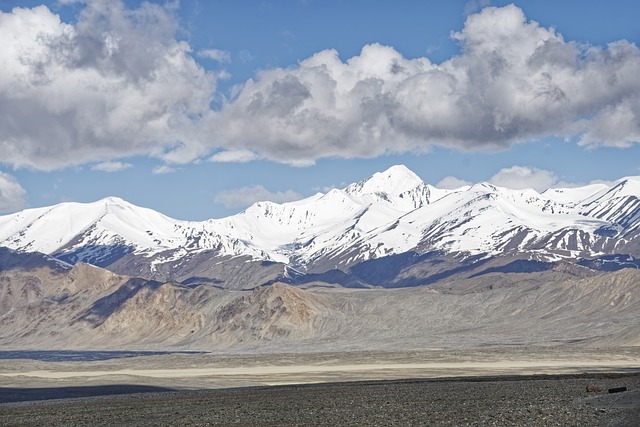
[[189, 371], [365, 370]]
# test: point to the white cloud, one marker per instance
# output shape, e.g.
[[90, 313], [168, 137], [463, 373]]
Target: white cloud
[[215, 54], [117, 83], [163, 169], [12, 195], [513, 81], [451, 183], [246, 196], [111, 166], [521, 177], [238, 156], [114, 84]]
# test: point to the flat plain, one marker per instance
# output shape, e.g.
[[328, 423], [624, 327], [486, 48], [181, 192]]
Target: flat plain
[[506, 386]]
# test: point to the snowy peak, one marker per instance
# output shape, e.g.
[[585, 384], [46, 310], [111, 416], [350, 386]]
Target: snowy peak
[[398, 186], [114, 201], [618, 204], [103, 222], [624, 187], [395, 180], [573, 195]]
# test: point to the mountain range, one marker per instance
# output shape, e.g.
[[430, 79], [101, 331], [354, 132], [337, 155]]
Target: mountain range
[[390, 230], [387, 263]]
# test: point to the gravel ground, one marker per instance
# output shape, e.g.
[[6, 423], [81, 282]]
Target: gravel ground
[[522, 401]]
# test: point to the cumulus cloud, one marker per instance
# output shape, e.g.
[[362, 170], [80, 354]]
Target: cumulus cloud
[[111, 166], [163, 169], [237, 156], [118, 83], [246, 196], [215, 54], [521, 177], [114, 84], [12, 195], [451, 183], [513, 81]]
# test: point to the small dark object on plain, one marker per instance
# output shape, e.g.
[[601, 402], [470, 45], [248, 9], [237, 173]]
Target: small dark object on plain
[[593, 388], [617, 390]]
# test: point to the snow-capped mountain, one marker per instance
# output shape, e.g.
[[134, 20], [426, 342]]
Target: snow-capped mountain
[[391, 213]]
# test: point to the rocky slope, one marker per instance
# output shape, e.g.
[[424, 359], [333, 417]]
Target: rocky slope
[[52, 306]]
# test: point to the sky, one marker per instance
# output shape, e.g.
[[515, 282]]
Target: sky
[[197, 109]]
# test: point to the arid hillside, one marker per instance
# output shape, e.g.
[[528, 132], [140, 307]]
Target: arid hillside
[[48, 305]]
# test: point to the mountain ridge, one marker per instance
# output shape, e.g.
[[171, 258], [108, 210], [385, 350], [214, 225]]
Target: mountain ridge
[[390, 213]]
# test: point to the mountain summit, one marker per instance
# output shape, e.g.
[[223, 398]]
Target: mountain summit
[[395, 180], [398, 186]]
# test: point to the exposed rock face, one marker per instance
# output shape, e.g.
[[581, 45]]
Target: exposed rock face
[[270, 313], [39, 305], [148, 312]]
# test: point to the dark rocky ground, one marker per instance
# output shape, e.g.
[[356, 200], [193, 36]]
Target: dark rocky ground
[[519, 401]]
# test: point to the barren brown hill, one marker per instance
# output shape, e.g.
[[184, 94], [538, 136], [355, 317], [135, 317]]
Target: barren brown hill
[[85, 307]]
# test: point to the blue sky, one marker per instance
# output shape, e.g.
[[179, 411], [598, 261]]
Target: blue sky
[[198, 108]]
